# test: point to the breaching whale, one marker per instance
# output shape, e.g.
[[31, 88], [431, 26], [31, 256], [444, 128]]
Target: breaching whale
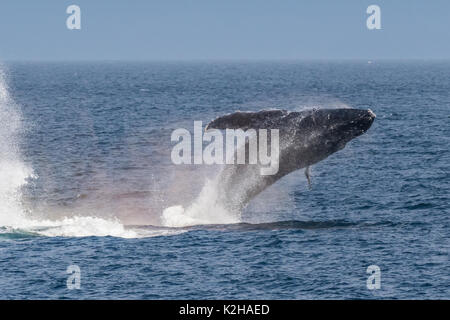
[[305, 138]]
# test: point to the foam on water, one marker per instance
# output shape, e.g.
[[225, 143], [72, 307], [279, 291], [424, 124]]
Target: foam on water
[[85, 227], [74, 227]]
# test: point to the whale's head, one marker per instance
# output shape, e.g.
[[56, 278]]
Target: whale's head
[[320, 133], [306, 137]]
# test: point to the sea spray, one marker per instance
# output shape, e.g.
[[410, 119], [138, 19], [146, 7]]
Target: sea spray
[[13, 171]]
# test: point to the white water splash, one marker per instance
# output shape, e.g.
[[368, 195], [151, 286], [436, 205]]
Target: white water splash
[[204, 210], [13, 171]]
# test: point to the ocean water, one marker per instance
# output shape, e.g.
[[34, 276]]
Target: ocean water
[[86, 175]]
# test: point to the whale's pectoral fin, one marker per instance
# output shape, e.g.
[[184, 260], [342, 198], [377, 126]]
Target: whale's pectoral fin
[[308, 177], [246, 120]]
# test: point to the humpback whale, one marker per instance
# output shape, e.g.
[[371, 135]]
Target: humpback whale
[[306, 137]]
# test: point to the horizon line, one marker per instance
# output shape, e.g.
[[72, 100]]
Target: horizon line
[[230, 60]]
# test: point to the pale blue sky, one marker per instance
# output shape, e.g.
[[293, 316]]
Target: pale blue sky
[[225, 29]]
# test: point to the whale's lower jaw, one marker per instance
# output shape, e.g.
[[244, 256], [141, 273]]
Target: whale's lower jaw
[[238, 184]]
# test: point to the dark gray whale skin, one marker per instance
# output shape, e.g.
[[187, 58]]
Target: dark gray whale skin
[[305, 138]]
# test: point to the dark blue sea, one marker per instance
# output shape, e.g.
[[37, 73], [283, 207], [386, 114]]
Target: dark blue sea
[[86, 174]]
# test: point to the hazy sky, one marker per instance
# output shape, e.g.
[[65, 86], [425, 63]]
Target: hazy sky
[[225, 29]]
